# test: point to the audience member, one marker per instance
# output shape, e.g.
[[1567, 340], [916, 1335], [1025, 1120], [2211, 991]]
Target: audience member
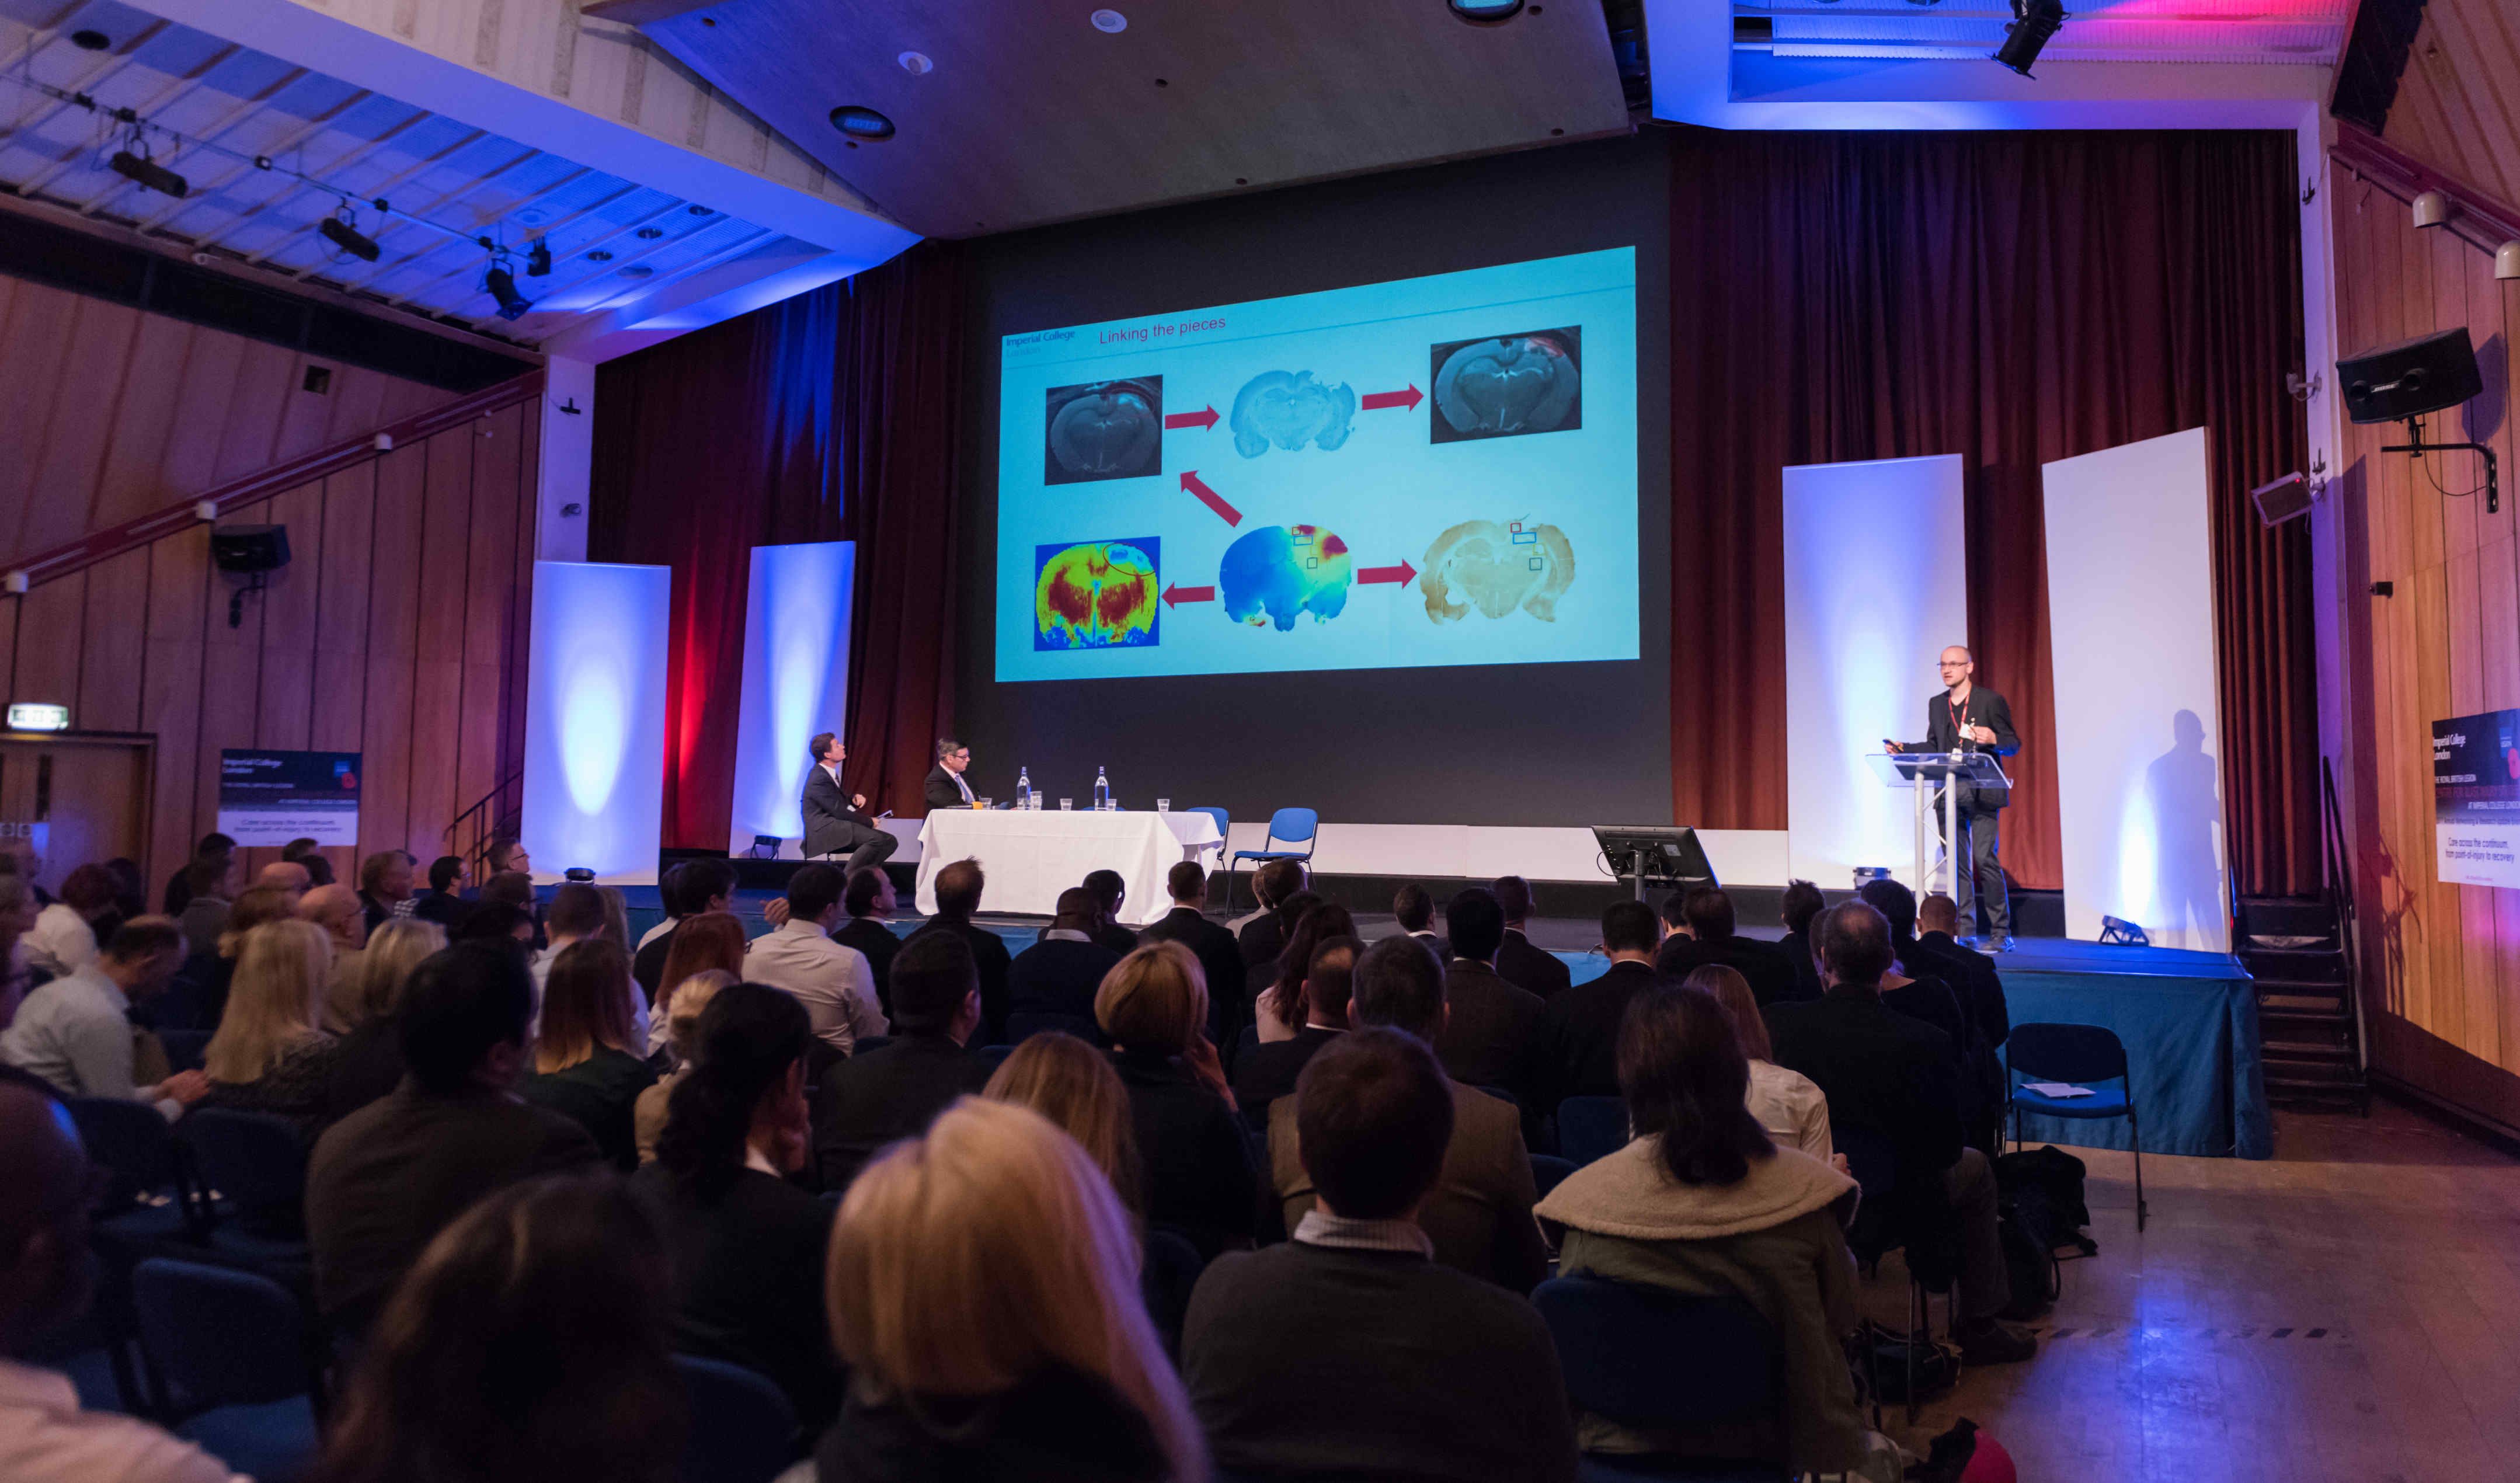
[[47, 1280], [1072, 1082], [17, 914], [1268, 1071], [290, 875], [616, 929], [1708, 935], [498, 921], [1527, 968], [894, 1090], [531, 1342], [583, 912], [747, 1245], [271, 1053], [1703, 1202], [691, 888], [507, 857], [443, 901], [1220, 957], [384, 887], [383, 1181], [199, 992], [62, 939], [1479, 1215], [1355, 1306], [336, 910], [1108, 890], [1800, 905], [958, 900], [1491, 1028], [1059, 974], [831, 979], [868, 902], [1972, 976], [307, 853], [1279, 1009], [206, 902], [1899, 1076], [1578, 1040], [682, 1041], [1262, 934], [216, 850], [983, 1286], [513, 888], [1911, 987], [590, 1062], [1786, 1103], [130, 896], [1415, 910], [1200, 1179], [386, 964], [18, 858], [710, 942], [76, 1031], [369, 1064]]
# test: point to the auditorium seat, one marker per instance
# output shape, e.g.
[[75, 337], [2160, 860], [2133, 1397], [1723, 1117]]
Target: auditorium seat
[[1591, 1128], [233, 1350], [743, 1426], [2081, 1055], [1654, 1360]]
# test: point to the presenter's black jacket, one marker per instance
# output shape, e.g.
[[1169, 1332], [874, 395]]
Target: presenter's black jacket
[[1535, 971], [941, 792], [1983, 707], [1491, 1035], [832, 826], [990, 949], [1220, 958]]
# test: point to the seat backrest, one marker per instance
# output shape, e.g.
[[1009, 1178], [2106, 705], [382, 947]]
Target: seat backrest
[[220, 1336], [743, 1428], [1591, 1127], [1547, 1171], [1871, 1159], [1224, 820], [864, 1043], [254, 1159], [1294, 825], [1645, 1357], [993, 1057], [1172, 1269], [131, 1141], [2065, 1052], [1023, 1024]]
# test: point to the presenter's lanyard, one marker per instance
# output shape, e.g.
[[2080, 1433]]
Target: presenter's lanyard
[[1960, 721]]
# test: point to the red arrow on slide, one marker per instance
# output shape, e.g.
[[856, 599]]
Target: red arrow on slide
[[1177, 595], [1404, 574], [1409, 399], [1200, 419], [1210, 498]]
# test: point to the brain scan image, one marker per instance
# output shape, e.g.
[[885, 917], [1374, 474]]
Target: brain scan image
[[1096, 595], [1290, 409], [1497, 568], [1273, 574], [1507, 386], [1104, 430]]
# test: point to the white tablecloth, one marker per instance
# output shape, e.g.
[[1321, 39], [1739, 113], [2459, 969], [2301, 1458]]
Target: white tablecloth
[[1031, 856]]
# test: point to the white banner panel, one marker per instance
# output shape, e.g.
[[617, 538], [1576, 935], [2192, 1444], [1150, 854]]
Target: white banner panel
[[1876, 585], [595, 720], [2131, 629], [796, 681]]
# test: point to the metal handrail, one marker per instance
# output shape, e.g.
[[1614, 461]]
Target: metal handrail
[[484, 824], [2337, 872]]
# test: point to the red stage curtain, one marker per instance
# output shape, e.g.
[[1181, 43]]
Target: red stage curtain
[[2014, 298], [832, 415]]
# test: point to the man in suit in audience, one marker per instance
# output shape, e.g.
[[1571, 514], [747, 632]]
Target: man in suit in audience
[[1578, 1040], [1108, 890], [1970, 973], [892, 1091], [958, 900], [1360, 1301], [1706, 935], [1489, 1026], [690, 889], [443, 901], [1479, 1215], [835, 819], [1058, 975], [867, 901], [1899, 1078], [1519, 962], [947, 788], [215, 849], [383, 1181], [1220, 957], [1268, 1071], [832, 980], [1415, 910], [1801, 905]]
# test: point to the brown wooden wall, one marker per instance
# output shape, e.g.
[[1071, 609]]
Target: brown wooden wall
[[108, 412], [2441, 963], [397, 630], [2459, 100]]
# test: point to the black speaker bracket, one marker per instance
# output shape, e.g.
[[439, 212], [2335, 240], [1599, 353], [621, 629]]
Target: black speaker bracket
[[252, 587], [2418, 448]]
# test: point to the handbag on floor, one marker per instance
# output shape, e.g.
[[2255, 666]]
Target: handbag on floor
[[1883, 1354]]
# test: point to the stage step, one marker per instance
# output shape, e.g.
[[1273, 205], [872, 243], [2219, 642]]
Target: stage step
[[2291, 947]]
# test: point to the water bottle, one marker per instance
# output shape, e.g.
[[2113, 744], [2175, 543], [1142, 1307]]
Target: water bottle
[[1101, 791], [1023, 787]]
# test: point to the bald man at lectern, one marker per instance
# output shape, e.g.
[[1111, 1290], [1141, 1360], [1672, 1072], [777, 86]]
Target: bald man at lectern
[[1968, 717]]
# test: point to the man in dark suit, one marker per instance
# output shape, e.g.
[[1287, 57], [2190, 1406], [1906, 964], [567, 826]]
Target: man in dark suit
[[1578, 1054], [1415, 910], [1801, 906], [867, 901], [690, 889], [946, 785], [443, 901], [1220, 957], [895, 1091], [1898, 1076], [1268, 1071], [1527, 968], [1059, 974], [1706, 933], [1970, 973], [835, 819], [1489, 1024], [1108, 890], [958, 900], [1968, 717]]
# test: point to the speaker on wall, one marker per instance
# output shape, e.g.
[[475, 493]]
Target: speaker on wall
[[248, 548], [2411, 377]]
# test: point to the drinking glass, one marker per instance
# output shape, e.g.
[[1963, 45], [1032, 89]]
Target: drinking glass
[[1066, 804], [1163, 805]]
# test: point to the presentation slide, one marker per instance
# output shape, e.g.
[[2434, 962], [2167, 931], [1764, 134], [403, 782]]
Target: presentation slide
[[1436, 470]]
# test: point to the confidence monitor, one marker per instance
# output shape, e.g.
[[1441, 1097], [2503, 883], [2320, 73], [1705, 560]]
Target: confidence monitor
[[1660, 854]]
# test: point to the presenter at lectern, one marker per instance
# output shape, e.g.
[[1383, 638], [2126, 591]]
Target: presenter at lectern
[[945, 786], [1968, 717]]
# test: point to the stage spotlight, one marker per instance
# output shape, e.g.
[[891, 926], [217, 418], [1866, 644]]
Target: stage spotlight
[[501, 285], [2034, 21], [149, 174], [2123, 933], [538, 260], [578, 874], [339, 231]]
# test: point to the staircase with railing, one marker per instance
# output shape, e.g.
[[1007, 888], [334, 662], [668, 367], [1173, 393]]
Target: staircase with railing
[[2301, 951], [494, 814]]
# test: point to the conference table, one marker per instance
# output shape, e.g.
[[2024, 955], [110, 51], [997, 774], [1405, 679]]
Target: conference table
[[1032, 855]]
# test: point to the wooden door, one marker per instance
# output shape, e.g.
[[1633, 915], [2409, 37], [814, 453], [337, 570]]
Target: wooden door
[[89, 793]]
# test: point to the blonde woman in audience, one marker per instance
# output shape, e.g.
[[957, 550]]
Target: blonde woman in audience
[[1200, 1176], [588, 1061], [648, 1117], [711, 940], [393, 951], [1072, 1084], [983, 1291], [1787, 1103], [271, 1053]]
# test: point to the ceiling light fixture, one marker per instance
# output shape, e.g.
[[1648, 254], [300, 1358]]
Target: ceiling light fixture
[[148, 173], [2033, 23], [1485, 12], [502, 286], [538, 258], [90, 41], [1109, 23], [915, 64], [342, 230], [2506, 260], [858, 121], [2432, 209]]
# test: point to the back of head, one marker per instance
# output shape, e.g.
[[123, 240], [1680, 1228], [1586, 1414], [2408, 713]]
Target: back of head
[[710, 940], [749, 1039], [1153, 1001], [213, 844], [673, 889], [394, 950], [865, 891], [1674, 911], [145, 939], [492, 921], [814, 889], [1107, 888], [932, 977], [457, 1004], [1938, 913], [1709, 914], [329, 906], [1293, 909], [1801, 903], [1630, 927], [1185, 881], [1513, 894], [957, 889], [529, 1341], [692, 996], [1276, 881], [318, 866], [1852, 941], [1073, 1085], [1725, 984], [1318, 922], [1685, 1081], [586, 1006], [50, 1278], [88, 891], [1329, 979], [373, 868], [275, 1002], [1413, 908], [510, 888], [503, 848], [253, 906], [1895, 904], [17, 902], [967, 1261], [576, 910], [209, 878], [1474, 919], [1399, 983], [1374, 1113], [444, 872], [299, 848], [1077, 909], [705, 881]]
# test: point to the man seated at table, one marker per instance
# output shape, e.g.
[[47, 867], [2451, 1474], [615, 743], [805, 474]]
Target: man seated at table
[[946, 785]]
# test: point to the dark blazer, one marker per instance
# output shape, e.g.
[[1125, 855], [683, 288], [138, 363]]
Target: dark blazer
[[367, 1069], [1534, 971], [1261, 940], [1578, 1040], [445, 907], [1118, 938], [942, 792], [885, 1095], [1197, 1163], [1058, 977], [1367, 1330], [749, 1283], [1796, 949], [877, 942], [383, 1181], [648, 964], [1973, 978], [833, 826], [1983, 707], [1489, 1038], [600, 1093], [1060, 1426], [1269, 1072], [990, 949], [1770, 977], [1220, 958], [1879, 1069]]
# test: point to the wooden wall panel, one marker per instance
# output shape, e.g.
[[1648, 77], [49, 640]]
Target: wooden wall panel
[[437, 676], [170, 691], [114, 630], [393, 630], [48, 664], [2459, 100]]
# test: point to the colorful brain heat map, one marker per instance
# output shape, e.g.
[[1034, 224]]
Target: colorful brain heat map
[[1436, 470]]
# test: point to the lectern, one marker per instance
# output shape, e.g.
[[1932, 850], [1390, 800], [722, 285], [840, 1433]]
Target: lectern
[[1921, 773]]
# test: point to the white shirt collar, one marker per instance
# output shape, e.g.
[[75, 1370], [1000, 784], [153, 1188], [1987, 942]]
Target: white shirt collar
[[753, 1159], [1066, 934]]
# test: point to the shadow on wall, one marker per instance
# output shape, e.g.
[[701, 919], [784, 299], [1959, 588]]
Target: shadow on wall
[[2185, 786]]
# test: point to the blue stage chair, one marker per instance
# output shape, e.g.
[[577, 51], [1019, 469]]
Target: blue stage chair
[[1224, 825], [1591, 1128], [2081, 1055], [1655, 1360], [234, 1350], [1287, 825], [743, 1428], [1549, 1171]]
